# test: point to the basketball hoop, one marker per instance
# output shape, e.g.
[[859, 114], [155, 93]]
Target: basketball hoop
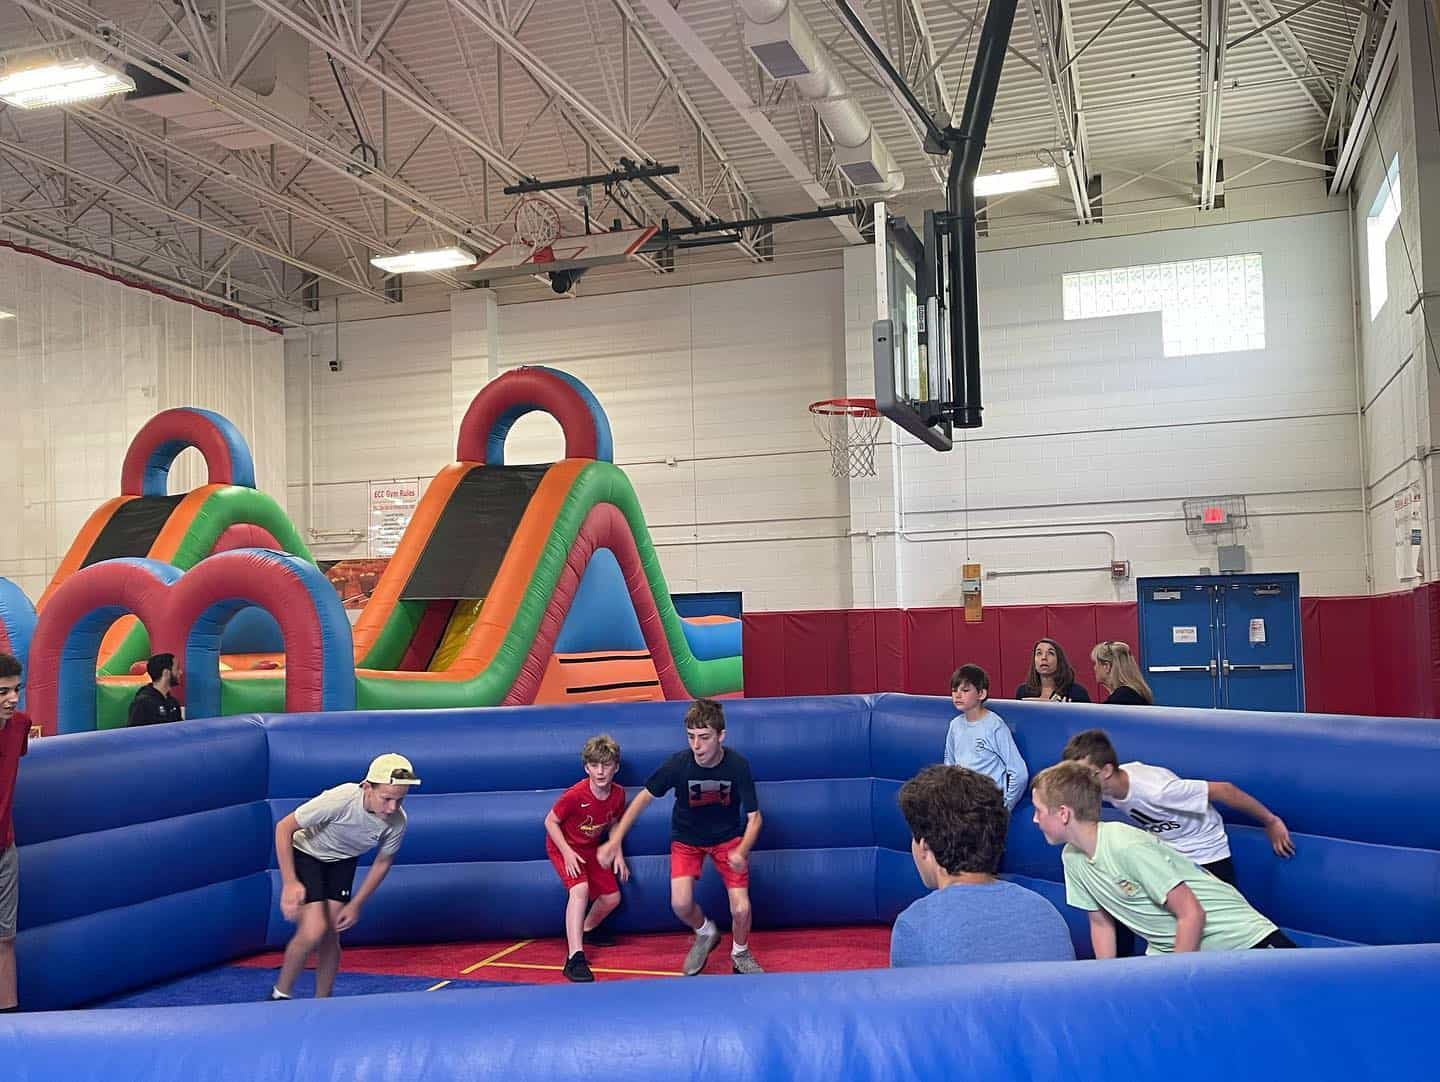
[[537, 224], [850, 427]]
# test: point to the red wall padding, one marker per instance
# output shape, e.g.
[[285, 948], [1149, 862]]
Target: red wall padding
[[863, 650], [1363, 655]]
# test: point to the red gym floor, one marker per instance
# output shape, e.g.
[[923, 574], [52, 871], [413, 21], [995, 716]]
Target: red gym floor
[[539, 961]]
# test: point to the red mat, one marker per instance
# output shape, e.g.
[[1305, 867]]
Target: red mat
[[539, 961]]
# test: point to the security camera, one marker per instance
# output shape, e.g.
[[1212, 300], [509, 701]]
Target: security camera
[[335, 364]]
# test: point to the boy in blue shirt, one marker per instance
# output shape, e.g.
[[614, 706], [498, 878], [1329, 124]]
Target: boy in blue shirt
[[979, 739], [957, 826]]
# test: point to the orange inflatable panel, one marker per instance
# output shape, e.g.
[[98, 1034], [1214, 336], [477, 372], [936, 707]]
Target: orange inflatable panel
[[614, 676]]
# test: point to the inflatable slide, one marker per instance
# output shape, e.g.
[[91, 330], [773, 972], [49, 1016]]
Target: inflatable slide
[[525, 584]]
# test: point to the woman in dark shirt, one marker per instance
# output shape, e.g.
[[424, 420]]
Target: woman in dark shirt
[[1117, 672], [1051, 678]]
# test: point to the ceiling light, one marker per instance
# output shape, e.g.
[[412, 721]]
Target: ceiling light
[[62, 83], [437, 259], [6, 315], [1019, 180]]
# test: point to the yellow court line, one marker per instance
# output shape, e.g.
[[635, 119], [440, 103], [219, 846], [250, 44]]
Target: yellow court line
[[593, 969], [437, 987], [498, 954]]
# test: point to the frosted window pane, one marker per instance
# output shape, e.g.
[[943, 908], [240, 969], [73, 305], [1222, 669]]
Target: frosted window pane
[[1384, 214], [1206, 305]]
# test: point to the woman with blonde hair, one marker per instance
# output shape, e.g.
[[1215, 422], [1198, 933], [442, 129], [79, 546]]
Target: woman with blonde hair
[[1117, 672]]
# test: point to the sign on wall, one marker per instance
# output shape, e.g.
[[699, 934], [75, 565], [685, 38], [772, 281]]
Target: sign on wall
[[1409, 532], [391, 505]]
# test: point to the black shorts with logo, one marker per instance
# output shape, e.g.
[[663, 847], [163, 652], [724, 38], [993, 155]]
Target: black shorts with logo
[[325, 880]]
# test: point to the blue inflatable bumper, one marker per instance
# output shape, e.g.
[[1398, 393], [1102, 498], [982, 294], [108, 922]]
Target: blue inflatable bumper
[[147, 853]]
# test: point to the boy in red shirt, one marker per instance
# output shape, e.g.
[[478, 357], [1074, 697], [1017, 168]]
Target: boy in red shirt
[[14, 741], [575, 827]]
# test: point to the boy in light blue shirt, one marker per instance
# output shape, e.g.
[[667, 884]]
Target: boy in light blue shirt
[[979, 738]]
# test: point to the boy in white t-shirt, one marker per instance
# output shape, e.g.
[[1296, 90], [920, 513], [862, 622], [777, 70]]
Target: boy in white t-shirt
[[1178, 811], [317, 846]]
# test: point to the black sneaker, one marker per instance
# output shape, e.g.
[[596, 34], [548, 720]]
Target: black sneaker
[[599, 937], [577, 969]]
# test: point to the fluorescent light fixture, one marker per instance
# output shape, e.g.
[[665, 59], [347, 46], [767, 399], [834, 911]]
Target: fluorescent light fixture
[[1020, 180], [62, 83], [437, 259], [6, 315]]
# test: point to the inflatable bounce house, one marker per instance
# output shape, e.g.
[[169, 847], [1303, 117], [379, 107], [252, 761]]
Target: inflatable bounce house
[[511, 585], [106, 905], [147, 522]]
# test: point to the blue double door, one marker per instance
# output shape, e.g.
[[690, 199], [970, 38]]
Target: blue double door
[[1223, 641]]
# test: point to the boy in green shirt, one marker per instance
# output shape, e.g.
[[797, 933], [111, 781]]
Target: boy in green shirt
[[1117, 872]]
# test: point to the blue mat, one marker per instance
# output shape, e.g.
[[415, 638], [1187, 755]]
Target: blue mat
[[247, 984]]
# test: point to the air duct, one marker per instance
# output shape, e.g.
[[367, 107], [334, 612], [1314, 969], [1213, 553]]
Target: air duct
[[780, 39], [276, 79]]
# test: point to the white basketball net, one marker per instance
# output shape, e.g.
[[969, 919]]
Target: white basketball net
[[537, 224], [850, 428]]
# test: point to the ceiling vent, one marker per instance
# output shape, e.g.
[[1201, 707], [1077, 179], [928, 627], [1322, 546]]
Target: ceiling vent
[[277, 80], [781, 45]]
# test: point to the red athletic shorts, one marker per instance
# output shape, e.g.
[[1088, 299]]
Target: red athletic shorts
[[601, 879], [687, 860]]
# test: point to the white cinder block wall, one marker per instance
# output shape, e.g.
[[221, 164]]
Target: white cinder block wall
[[86, 362], [1092, 437]]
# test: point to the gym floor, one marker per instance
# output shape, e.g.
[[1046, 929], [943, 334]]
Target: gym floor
[[491, 964]]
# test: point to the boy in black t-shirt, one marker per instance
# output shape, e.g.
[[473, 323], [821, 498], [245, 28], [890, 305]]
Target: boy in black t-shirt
[[716, 812]]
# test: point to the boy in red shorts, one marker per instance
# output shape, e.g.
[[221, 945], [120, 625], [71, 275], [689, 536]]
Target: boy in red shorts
[[574, 828], [716, 812]]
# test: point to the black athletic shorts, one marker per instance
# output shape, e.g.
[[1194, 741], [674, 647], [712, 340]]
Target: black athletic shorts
[[1276, 938], [325, 879], [1223, 870]]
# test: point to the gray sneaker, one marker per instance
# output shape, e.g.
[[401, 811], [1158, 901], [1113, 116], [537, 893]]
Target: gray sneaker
[[700, 952], [744, 962]]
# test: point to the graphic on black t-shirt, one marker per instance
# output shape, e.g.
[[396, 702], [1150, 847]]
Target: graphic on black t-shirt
[[710, 802], [709, 792]]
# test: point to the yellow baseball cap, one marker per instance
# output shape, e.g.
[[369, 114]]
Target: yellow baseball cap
[[391, 769]]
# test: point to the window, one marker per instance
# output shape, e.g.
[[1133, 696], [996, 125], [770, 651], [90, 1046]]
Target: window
[[1384, 213], [1205, 305]]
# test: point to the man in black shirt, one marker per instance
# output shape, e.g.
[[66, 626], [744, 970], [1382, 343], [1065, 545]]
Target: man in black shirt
[[153, 704], [716, 813]]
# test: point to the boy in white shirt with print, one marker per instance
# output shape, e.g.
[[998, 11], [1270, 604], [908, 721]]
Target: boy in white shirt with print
[[1177, 811]]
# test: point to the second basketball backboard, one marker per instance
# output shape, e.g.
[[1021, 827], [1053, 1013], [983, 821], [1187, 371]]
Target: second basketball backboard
[[564, 253]]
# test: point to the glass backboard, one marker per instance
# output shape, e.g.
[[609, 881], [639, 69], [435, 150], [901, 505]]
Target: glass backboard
[[912, 364]]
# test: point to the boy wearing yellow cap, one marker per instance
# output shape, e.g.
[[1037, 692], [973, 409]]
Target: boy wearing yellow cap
[[317, 846]]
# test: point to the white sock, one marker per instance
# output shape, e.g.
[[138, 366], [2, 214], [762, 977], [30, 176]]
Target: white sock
[[275, 993], [708, 928], [739, 948]]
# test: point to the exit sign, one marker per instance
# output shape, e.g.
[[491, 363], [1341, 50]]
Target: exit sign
[[1213, 516]]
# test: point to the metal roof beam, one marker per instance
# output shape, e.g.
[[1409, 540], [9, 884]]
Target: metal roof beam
[[1301, 66], [83, 254], [1213, 26], [627, 144], [1376, 74], [1052, 30], [190, 219], [80, 21]]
